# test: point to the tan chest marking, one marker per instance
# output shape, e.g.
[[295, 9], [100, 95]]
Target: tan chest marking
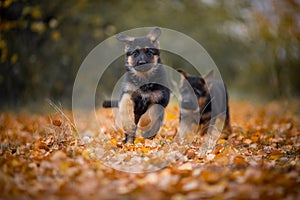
[[130, 87]]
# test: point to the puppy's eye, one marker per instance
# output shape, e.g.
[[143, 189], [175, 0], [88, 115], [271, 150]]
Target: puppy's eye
[[134, 53], [153, 51], [148, 52], [199, 92]]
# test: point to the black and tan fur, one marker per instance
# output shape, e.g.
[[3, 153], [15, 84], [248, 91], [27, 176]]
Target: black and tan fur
[[211, 100], [145, 91]]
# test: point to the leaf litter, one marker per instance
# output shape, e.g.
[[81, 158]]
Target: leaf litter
[[45, 157]]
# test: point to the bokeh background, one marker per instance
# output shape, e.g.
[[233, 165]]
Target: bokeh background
[[255, 44]]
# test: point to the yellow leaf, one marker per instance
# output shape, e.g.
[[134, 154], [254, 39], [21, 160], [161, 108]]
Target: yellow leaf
[[114, 141], [171, 116], [221, 141], [145, 149], [86, 154], [139, 140]]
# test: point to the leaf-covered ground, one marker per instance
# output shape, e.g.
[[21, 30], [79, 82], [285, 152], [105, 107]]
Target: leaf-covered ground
[[43, 157]]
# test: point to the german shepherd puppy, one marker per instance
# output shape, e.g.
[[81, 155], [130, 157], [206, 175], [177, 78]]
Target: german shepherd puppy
[[212, 100], [145, 89]]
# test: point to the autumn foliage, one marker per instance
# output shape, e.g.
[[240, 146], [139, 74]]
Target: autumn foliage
[[45, 157]]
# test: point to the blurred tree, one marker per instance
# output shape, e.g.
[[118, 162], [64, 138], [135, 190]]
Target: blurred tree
[[43, 43], [275, 32], [42, 47]]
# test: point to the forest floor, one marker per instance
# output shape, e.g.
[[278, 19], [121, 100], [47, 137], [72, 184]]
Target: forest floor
[[44, 157]]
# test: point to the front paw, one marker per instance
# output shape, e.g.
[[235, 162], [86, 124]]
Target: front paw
[[129, 138], [128, 126], [151, 121]]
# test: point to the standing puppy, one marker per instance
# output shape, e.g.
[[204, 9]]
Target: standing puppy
[[145, 89], [211, 101]]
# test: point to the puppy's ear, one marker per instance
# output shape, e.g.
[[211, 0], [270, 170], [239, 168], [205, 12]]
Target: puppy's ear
[[202, 81], [209, 75], [185, 74], [125, 38], [205, 79], [154, 34]]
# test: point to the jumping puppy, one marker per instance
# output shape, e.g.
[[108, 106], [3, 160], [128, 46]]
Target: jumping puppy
[[211, 100], [145, 89]]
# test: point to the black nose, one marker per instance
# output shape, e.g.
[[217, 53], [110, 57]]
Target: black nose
[[141, 62]]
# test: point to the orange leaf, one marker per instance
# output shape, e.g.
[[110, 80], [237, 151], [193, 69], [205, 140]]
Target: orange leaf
[[210, 176], [57, 122], [240, 161], [276, 154]]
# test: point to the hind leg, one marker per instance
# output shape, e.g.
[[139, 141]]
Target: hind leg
[[204, 127], [227, 126], [227, 129], [151, 121]]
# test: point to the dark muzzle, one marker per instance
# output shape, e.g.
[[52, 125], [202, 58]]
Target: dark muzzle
[[143, 66]]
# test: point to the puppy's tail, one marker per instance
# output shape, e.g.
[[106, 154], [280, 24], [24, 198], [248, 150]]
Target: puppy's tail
[[110, 104]]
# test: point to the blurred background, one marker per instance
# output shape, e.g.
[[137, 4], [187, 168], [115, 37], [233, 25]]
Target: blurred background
[[254, 43]]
